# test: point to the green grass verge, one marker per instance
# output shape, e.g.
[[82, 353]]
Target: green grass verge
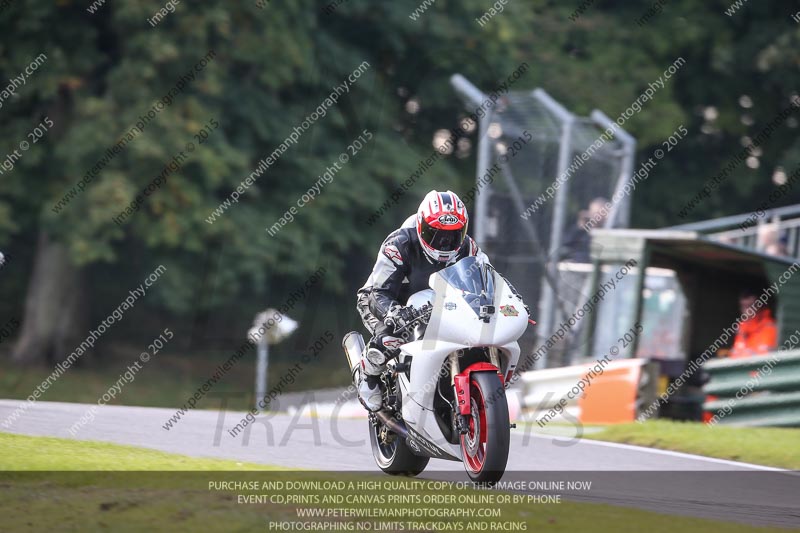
[[776, 447], [39, 500], [24, 453], [166, 380]]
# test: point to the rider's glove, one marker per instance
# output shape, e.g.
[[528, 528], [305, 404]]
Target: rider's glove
[[398, 318]]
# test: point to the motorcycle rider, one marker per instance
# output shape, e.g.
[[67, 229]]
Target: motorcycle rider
[[432, 239]]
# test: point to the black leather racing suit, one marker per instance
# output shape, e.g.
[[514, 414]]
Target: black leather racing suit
[[402, 268]]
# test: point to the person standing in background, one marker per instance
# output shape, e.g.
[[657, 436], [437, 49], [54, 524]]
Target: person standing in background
[[577, 241], [757, 335]]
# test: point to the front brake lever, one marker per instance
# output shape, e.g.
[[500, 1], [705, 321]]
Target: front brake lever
[[422, 314]]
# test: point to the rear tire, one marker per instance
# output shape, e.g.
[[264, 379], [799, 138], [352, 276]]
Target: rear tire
[[485, 447], [394, 458]]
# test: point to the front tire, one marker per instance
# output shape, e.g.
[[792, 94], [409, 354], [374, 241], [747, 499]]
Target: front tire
[[485, 447], [391, 453]]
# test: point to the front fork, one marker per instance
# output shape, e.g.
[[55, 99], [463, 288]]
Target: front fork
[[462, 397], [460, 382]]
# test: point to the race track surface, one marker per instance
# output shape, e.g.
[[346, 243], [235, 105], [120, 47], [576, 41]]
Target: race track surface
[[666, 482]]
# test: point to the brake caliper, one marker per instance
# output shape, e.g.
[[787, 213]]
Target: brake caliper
[[462, 424]]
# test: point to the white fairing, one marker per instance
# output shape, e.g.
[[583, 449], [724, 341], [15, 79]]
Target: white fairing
[[418, 299], [453, 326]]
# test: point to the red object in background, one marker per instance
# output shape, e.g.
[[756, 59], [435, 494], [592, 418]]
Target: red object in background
[[756, 336]]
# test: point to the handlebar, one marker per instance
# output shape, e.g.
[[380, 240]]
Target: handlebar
[[417, 315]]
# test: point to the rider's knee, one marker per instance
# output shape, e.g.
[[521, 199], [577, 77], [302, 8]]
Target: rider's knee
[[374, 361]]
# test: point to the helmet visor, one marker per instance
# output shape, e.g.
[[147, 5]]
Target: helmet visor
[[442, 240]]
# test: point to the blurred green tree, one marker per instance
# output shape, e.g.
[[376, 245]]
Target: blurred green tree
[[270, 68]]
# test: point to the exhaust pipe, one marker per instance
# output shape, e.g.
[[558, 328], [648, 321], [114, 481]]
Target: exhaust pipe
[[353, 346], [398, 428]]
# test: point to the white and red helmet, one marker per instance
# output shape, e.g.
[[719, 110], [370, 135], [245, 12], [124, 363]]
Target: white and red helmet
[[442, 225]]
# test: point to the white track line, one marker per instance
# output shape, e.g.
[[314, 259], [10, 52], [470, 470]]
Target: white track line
[[14, 403], [668, 452]]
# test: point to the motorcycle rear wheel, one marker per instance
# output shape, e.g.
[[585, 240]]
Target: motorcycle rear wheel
[[395, 457]]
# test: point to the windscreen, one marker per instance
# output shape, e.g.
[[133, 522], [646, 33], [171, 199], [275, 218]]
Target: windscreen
[[474, 279]]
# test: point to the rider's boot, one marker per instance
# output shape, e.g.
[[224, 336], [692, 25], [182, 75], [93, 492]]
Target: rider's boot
[[370, 394], [370, 391]]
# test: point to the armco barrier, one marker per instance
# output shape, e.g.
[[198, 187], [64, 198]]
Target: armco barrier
[[763, 390], [615, 396]]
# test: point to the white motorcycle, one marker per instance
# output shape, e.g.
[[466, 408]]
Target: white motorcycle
[[444, 395]]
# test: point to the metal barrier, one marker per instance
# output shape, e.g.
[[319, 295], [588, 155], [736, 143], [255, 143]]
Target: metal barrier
[[753, 232], [763, 390], [615, 395]]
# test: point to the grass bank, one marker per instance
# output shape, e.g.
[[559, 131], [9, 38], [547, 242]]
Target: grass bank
[[109, 487], [777, 447], [165, 381]]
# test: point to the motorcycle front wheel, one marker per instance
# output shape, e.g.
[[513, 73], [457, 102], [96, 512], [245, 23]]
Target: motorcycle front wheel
[[485, 446]]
